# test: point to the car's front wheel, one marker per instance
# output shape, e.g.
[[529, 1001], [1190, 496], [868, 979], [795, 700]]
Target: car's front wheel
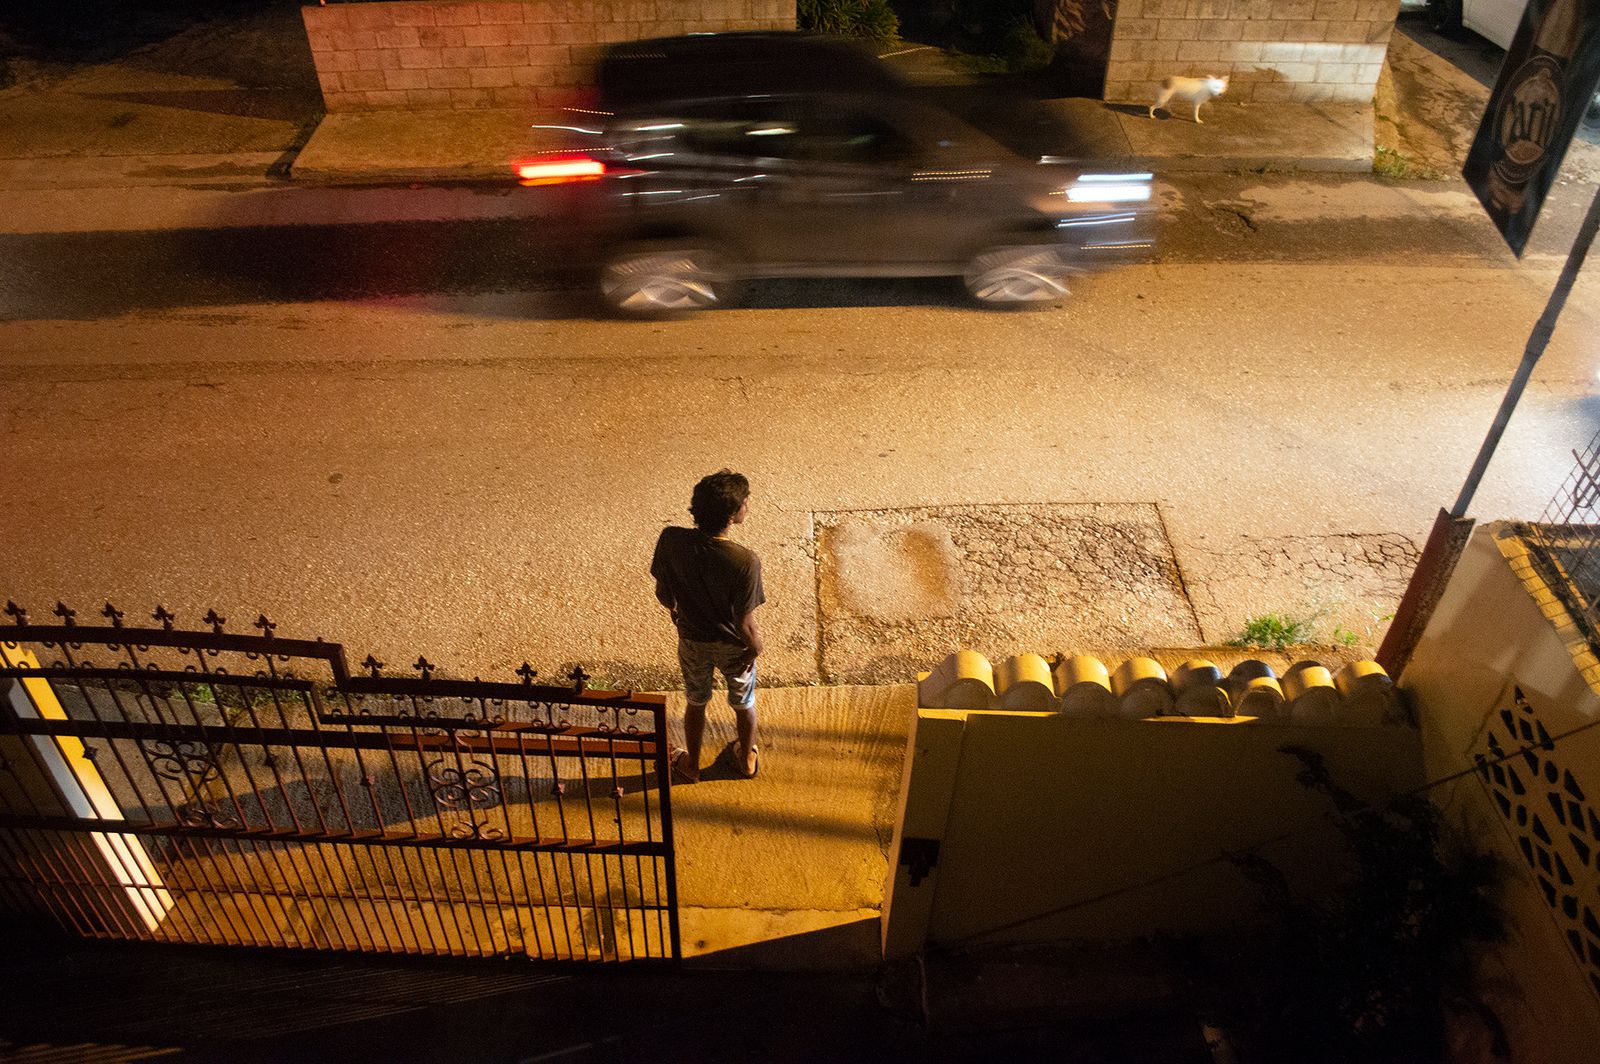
[[646, 280], [1016, 276]]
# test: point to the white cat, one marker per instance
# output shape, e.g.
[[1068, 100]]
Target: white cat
[[1196, 90]]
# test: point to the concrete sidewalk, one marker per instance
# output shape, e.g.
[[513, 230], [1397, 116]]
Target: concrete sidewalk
[[1309, 137], [364, 148], [382, 159], [787, 871], [432, 147], [406, 147], [413, 146], [407, 166], [232, 104]]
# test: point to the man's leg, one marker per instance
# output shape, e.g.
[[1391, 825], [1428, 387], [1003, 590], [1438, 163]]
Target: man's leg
[[697, 667], [744, 749], [742, 699], [694, 729]]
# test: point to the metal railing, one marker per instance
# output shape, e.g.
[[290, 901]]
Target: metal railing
[[214, 787], [1566, 541]]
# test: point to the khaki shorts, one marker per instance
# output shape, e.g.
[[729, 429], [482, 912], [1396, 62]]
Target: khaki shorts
[[699, 659]]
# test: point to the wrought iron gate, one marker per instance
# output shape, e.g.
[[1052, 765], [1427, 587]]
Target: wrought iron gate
[[215, 787]]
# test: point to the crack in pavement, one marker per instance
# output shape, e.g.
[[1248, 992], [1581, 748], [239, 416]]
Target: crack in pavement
[[1234, 219], [1340, 581], [744, 386], [899, 589]]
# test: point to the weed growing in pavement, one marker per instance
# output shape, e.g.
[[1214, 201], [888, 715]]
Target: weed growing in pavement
[[1386, 162], [1344, 636], [1274, 631], [1389, 162]]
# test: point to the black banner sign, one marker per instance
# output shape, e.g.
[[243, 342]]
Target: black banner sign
[[1547, 81]]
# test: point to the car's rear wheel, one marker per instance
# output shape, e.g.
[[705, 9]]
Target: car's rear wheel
[[648, 280], [1017, 276]]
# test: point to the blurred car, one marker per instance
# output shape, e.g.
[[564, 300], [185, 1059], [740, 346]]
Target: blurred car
[[719, 158]]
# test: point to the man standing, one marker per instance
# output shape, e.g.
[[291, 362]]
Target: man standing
[[712, 586]]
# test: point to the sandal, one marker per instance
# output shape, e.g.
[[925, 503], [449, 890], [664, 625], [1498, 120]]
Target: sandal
[[738, 762], [679, 773]]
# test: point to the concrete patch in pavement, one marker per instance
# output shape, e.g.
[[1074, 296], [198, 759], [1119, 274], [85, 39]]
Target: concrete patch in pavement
[[1346, 585], [899, 589]]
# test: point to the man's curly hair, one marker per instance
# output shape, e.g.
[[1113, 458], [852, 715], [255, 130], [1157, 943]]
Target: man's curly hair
[[717, 498]]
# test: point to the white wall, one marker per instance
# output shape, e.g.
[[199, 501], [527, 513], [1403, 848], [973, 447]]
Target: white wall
[[1498, 629]]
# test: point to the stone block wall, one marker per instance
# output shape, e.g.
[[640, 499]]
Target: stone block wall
[[513, 53], [1271, 50]]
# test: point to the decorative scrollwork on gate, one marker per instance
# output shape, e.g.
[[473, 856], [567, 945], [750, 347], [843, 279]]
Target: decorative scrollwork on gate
[[181, 759], [472, 829], [202, 813], [251, 771], [455, 788]]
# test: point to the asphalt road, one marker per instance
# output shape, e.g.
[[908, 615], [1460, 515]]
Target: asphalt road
[[418, 437], [475, 240]]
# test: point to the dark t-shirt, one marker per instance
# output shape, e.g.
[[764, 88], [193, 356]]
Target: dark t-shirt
[[712, 582]]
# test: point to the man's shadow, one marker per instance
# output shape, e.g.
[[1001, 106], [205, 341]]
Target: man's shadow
[[724, 767]]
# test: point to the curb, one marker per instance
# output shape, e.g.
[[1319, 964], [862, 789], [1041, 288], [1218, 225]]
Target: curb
[[334, 176], [61, 173], [1331, 164]]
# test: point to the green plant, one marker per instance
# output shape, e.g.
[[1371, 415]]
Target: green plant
[[871, 20], [1274, 631], [1386, 162], [1023, 49], [1370, 972], [1391, 162], [1344, 636], [1002, 30]]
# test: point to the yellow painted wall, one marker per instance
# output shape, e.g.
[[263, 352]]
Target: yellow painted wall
[[1496, 629], [61, 778], [1114, 827]]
